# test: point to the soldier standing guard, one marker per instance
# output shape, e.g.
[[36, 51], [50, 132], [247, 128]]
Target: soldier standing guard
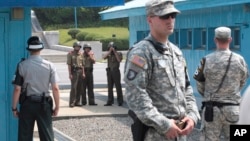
[[76, 74], [114, 74], [34, 76], [88, 81], [158, 89], [220, 78]]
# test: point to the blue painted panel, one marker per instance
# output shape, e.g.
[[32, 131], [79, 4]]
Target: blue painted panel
[[3, 75], [18, 33]]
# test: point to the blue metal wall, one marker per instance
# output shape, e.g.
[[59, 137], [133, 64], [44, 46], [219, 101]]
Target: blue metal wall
[[195, 20], [13, 34]]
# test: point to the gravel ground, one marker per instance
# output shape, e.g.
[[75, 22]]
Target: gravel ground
[[101, 129]]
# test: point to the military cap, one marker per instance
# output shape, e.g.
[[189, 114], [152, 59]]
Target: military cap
[[34, 43], [86, 45], [77, 44], [222, 33], [160, 7]]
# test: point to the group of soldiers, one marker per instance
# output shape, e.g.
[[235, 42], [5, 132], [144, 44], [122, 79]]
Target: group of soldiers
[[80, 68]]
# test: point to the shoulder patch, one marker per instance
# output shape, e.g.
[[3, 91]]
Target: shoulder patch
[[131, 74], [139, 61]]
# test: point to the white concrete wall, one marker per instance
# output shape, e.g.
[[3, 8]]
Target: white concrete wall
[[52, 37], [95, 45]]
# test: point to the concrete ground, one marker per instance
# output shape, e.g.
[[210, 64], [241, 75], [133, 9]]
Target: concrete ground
[[67, 112]]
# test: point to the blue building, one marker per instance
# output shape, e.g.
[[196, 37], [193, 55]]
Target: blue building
[[15, 23], [194, 29]]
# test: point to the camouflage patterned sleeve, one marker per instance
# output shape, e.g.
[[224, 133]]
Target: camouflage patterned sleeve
[[199, 77], [136, 77], [245, 73], [192, 109]]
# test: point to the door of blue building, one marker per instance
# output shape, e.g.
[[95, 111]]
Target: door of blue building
[[3, 78]]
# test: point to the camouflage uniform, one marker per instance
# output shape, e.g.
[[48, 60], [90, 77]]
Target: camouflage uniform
[[156, 88], [75, 60], [214, 69]]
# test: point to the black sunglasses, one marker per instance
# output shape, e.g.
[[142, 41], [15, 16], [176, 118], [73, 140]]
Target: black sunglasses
[[164, 17]]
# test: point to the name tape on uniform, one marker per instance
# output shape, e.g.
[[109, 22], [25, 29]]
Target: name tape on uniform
[[239, 132]]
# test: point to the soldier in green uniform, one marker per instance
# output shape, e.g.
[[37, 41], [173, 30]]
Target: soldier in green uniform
[[88, 82], [34, 76], [113, 74], [76, 74]]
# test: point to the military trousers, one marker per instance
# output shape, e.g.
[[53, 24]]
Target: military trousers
[[76, 87], [114, 78], [219, 128], [88, 84], [31, 112]]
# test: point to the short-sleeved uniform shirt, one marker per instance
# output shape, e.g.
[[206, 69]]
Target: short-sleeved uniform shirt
[[37, 74]]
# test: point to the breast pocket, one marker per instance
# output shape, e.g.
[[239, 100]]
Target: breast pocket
[[165, 72]]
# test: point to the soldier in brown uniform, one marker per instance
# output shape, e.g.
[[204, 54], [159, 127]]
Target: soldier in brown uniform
[[113, 74], [88, 82], [76, 74]]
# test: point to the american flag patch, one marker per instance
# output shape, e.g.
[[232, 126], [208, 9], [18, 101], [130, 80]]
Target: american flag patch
[[139, 61]]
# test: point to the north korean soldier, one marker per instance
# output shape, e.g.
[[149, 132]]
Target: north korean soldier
[[114, 59], [158, 89], [76, 74], [88, 81], [220, 78], [35, 75]]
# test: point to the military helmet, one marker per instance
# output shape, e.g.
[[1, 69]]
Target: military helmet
[[111, 44], [34, 43], [77, 44], [86, 45]]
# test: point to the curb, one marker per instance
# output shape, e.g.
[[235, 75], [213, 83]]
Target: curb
[[96, 86]]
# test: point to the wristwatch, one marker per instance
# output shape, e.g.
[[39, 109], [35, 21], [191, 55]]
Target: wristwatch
[[14, 109]]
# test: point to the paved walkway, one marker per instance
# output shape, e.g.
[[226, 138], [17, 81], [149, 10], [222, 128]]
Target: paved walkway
[[85, 111]]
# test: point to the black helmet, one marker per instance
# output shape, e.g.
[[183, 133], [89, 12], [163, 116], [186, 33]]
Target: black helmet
[[86, 46], [77, 44], [34, 43]]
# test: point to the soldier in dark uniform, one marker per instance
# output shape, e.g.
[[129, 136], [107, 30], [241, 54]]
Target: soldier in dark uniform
[[113, 74], [32, 82], [76, 74], [88, 82]]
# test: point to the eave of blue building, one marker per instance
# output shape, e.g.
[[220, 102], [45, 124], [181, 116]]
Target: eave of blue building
[[57, 3], [129, 10]]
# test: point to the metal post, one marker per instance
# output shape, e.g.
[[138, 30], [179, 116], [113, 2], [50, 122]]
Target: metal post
[[75, 17]]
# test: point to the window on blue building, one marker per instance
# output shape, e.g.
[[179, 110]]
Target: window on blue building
[[210, 39], [189, 38], [236, 38], [186, 38], [203, 38], [200, 38]]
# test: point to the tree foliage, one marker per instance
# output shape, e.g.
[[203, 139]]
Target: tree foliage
[[65, 17]]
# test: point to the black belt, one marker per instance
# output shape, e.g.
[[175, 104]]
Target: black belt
[[35, 98], [218, 104]]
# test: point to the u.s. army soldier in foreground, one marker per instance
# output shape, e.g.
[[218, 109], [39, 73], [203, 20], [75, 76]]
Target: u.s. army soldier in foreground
[[220, 77], [157, 83]]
